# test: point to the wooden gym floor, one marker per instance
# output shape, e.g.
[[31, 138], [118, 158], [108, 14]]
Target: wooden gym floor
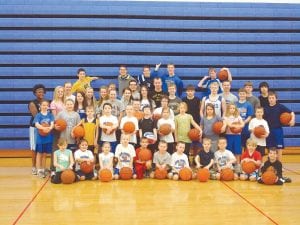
[[26, 199]]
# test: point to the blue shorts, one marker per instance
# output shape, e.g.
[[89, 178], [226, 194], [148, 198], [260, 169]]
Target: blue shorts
[[275, 138], [44, 148], [234, 143], [245, 136], [117, 171]]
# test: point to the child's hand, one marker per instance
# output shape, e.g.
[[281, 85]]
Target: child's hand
[[198, 166], [206, 77], [157, 66], [292, 123], [206, 167]]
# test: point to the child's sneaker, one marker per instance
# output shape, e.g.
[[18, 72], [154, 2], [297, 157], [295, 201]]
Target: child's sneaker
[[287, 180], [41, 174], [33, 171]]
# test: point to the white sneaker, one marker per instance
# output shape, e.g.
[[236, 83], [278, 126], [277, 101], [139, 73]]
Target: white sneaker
[[41, 174], [33, 171]]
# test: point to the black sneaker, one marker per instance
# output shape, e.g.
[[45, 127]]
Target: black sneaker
[[259, 180], [287, 180], [280, 182]]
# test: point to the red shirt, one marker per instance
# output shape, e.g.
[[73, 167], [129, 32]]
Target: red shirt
[[255, 155]]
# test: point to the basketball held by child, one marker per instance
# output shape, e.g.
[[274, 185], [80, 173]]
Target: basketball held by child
[[150, 137], [67, 177], [217, 126], [227, 174], [129, 127], [61, 123], [185, 174], [126, 173], [109, 124], [156, 116], [223, 75], [285, 118], [165, 129], [78, 132], [145, 155], [41, 132], [269, 177], [248, 167], [105, 175], [236, 130], [203, 175], [259, 131], [86, 167], [194, 134], [160, 174]]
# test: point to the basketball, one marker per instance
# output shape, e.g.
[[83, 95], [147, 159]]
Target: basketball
[[259, 131], [165, 129], [217, 126], [105, 175], [203, 175], [110, 124], [125, 173], [234, 129], [194, 134], [145, 155], [86, 167], [185, 174], [78, 132], [41, 132], [223, 75], [156, 116], [248, 167], [151, 137], [61, 123], [285, 118], [227, 174], [160, 174], [67, 177], [139, 115], [269, 177], [129, 127]]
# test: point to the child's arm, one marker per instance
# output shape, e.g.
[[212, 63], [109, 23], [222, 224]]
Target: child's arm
[[202, 107], [292, 122], [96, 134], [210, 164], [200, 84], [223, 105], [71, 161], [228, 72], [176, 132], [100, 162], [197, 161], [55, 164], [196, 125], [94, 78]]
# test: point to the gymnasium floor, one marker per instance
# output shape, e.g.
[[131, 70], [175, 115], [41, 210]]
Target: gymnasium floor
[[26, 199]]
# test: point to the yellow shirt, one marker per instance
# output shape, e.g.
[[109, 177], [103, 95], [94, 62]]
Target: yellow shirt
[[81, 85], [90, 130]]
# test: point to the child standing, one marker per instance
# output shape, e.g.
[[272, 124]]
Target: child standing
[[272, 116], [84, 155], [63, 160], [205, 158], [142, 167], [250, 154], [183, 122], [162, 159], [174, 101], [256, 122], [44, 122], [83, 81], [130, 118], [80, 104], [193, 103], [106, 157], [124, 153], [224, 158], [179, 160]]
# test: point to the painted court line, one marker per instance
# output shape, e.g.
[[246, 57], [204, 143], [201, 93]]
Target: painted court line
[[293, 171], [250, 203], [31, 201]]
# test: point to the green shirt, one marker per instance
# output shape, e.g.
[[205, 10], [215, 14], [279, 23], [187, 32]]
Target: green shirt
[[63, 158], [183, 126]]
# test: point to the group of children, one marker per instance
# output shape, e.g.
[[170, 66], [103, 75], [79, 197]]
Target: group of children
[[112, 147]]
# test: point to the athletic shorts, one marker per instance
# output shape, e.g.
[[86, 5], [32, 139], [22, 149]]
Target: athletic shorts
[[234, 143], [44, 148], [275, 138], [32, 138]]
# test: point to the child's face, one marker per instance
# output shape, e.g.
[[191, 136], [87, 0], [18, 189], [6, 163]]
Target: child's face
[[125, 140], [144, 143], [83, 146], [112, 95], [162, 147], [190, 93], [248, 89], [165, 114], [89, 93], [136, 105], [103, 92], [182, 109], [209, 111], [146, 72], [79, 97], [232, 109], [222, 144], [180, 148], [273, 156], [81, 75], [226, 86], [90, 112], [206, 146], [60, 93], [171, 69], [264, 90], [242, 95], [127, 94], [106, 148], [39, 93], [272, 100], [69, 106], [44, 106], [68, 87], [129, 110], [214, 87], [147, 111], [133, 86], [213, 74], [172, 90], [259, 113], [144, 92], [157, 83], [107, 110], [251, 147], [123, 71], [164, 103], [62, 147]]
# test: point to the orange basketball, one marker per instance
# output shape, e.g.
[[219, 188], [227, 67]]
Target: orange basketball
[[259, 131], [165, 129], [41, 132], [234, 129], [248, 167], [203, 175], [269, 177], [105, 175], [145, 155], [129, 127], [67, 177], [156, 116], [217, 126], [227, 174], [138, 114], [185, 174], [125, 173], [110, 124], [160, 174], [78, 132], [194, 134], [86, 167], [223, 75], [285, 118], [61, 123]]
